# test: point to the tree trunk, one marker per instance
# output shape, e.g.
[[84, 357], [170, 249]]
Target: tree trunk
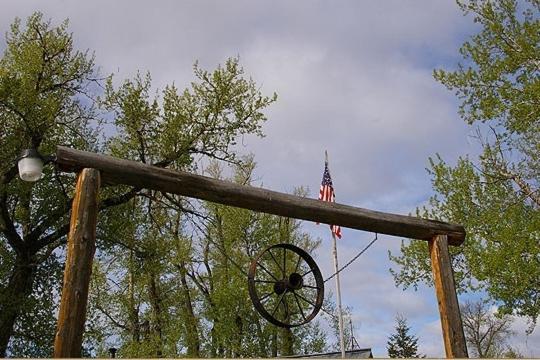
[[192, 333], [155, 301], [237, 342], [262, 345], [274, 342], [213, 349], [14, 296], [133, 311], [287, 344]]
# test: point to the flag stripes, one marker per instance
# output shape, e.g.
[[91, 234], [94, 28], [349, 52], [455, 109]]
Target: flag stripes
[[327, 194]]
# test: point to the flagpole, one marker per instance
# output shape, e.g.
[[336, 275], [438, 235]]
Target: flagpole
[[340, 312], [338, 287]]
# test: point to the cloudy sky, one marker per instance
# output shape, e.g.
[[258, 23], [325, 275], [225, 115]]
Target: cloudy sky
[[353, 77]]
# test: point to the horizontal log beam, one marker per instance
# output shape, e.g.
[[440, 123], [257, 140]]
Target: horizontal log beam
[[119, 171]]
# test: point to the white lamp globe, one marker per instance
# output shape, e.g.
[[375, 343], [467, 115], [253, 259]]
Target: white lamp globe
[[30, 165]]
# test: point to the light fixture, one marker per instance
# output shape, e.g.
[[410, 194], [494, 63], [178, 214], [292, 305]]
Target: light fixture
[[30, 165]]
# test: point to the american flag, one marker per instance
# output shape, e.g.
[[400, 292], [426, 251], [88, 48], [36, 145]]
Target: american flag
[[327, 194]]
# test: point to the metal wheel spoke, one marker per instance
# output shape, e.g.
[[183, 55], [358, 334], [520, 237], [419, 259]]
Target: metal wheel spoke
[[279, 266], [265, 281], [266, 296], [284, 262], [297, 263], [304, 274], [268, 292], [306, 300], [299, 306], [279, 302], [268, 272]]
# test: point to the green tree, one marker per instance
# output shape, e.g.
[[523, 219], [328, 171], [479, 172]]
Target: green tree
[[48, 93], [35, 329], [496, 197], [42, 82], [200, 304], [401, 344], [230, 239]]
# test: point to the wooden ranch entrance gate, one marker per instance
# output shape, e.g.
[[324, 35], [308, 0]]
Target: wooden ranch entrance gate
[[93, 169]]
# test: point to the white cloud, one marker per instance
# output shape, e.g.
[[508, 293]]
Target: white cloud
[[430, 340], [527, 345]]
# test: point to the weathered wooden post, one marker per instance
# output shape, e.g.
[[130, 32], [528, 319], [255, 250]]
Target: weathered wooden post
[[78, 268], [443, 276]]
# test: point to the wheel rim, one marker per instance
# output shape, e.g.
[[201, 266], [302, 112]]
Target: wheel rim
[[285, 285]]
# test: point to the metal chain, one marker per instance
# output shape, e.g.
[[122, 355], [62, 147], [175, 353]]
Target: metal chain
[[333, 316], [353, 259]]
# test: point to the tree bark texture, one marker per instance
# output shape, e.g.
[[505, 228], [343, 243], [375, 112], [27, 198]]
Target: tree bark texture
[[287, 342], [133, 311], [78, 268], [237, 342], [13, 297], [192, 332], [155, 302], [274, 342]]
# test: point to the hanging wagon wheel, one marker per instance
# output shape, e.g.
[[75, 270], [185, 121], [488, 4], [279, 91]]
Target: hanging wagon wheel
[[285, 285]]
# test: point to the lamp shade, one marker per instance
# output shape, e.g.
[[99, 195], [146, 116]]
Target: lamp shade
[[30, 165]]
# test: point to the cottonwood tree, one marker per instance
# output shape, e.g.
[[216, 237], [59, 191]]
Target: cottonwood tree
[[48, 96], [228, 242], [43, 81], [497, 195], [486, 332], [200, 305]]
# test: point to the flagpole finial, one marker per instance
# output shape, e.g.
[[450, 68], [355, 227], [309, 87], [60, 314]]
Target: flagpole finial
[[326, 156]]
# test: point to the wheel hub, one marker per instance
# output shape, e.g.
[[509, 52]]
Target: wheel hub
[[295, 281], [280, 287]]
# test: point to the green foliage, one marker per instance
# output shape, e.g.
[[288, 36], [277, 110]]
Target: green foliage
[[495, 197], [233, 238], [401, 344], [203, 120], [499, 80], [44, 83], [49, 95], [198, 262]]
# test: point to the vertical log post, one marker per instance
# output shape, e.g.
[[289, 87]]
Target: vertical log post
[[78, 268], [443, 275]]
